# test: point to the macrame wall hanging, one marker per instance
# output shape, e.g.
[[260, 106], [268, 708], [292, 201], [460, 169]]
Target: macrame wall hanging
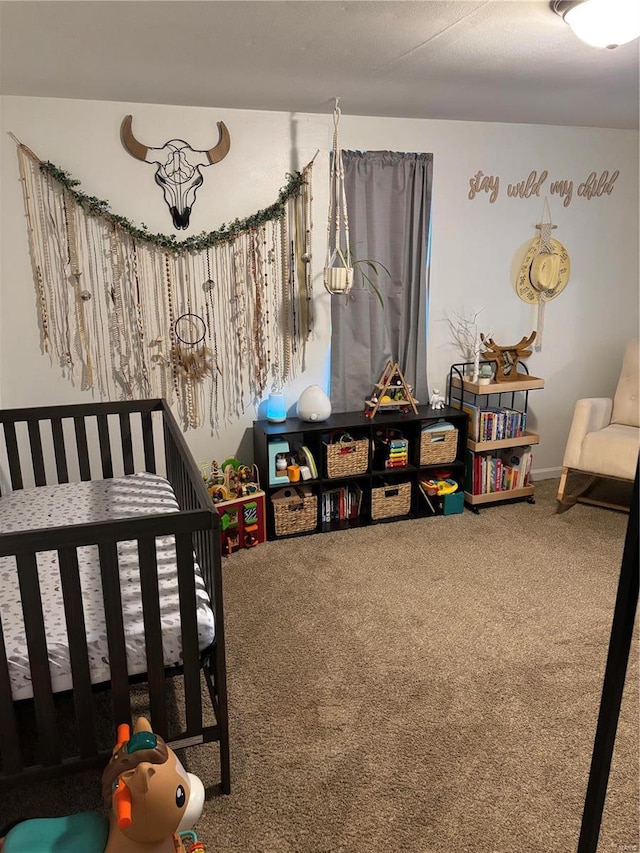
[[209, 323], [545, 270]]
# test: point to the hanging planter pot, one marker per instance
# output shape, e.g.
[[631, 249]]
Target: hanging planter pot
[[338, 275], [338, 280]]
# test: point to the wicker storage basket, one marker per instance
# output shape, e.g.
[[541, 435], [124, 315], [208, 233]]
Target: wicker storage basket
[[347, 456], [438, 446], [388, 501], [297, 514]]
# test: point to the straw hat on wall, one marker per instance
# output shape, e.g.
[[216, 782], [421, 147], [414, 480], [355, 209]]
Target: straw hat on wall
[[543, 274]]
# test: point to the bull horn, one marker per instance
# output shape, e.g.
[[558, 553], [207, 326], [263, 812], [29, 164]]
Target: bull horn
[[220, 151], [135, 148]]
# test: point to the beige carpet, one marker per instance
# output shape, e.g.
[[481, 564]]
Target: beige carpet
[[427, 686]]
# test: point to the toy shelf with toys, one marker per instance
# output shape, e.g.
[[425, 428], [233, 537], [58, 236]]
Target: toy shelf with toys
[[355, 469], [235, 490]]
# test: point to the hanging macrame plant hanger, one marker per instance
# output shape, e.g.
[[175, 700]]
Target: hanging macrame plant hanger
[[338, 271]]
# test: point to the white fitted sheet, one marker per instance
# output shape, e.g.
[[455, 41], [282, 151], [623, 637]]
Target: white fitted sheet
[[77, 503]]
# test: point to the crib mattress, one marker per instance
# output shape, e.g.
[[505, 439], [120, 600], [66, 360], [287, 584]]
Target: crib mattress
[[78, 503]]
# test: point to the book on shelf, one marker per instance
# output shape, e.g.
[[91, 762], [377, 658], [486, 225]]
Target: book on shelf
[[494, 423], [341, 503], [473, 413], [518, 459], [306, 458], [469, 471], [509, 469]]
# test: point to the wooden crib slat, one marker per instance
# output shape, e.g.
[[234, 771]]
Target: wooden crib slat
[[189, 495], [205, 559], [83, 449], [147, 440], [78, 653], [105, 447], [115, 631], [9, 738], [59, 450], [127, 446], [147, 559], [219, 665], [37, 457], [185, 487], [13, 456], [38, 657], [198, 547], [189, 628], [170, 459]]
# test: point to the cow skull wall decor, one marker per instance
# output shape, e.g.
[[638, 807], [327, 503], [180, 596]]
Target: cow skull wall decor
[[178, 167]]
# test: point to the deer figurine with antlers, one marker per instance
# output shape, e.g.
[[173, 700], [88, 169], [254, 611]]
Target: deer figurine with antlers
[[507, 358]]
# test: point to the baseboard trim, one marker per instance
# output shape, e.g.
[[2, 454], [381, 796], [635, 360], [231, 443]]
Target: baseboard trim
[[546, 473]]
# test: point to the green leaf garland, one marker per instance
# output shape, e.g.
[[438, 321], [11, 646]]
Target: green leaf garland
[[192, 245]]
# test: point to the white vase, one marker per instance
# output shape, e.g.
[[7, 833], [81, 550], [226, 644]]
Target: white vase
[[313, 404]]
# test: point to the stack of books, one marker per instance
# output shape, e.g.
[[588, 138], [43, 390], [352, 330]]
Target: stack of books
[[341, 504], [507, 470], [494, 423]]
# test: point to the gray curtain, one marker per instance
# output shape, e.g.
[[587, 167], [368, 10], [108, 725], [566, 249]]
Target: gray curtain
[[389, 203]]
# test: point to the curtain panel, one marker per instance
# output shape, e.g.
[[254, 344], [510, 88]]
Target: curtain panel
[[389, 203]]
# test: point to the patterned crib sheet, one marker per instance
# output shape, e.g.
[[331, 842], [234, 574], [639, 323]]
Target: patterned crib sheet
[[78, 503]]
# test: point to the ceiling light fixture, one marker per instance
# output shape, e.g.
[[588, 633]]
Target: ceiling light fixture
[[601, 23]]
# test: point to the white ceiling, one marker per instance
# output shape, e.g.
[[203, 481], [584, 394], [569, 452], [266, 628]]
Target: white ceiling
[[482, 60]]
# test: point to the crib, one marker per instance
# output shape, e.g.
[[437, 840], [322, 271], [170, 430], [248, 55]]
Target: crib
[[106, 522]]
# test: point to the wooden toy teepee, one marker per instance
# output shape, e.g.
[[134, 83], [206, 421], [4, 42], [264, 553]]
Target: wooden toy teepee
[[391, 392]]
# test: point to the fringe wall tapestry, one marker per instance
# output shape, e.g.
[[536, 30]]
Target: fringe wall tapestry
[[209, 322]]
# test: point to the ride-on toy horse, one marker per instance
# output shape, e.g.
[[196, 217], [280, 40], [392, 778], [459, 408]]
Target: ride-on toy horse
[[152, 801]]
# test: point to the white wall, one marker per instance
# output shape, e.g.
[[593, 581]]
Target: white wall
[[476, 245]]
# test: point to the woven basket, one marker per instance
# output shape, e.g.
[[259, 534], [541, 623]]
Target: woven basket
[[297, 514], [438, 446], [347, 457], [388, 501]]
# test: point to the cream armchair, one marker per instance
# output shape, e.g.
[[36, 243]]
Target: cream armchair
[[604, 439]]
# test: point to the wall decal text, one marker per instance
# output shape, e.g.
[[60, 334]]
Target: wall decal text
[[593, 186]]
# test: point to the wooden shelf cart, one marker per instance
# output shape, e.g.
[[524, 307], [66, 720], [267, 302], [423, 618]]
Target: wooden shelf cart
[[512, 394]]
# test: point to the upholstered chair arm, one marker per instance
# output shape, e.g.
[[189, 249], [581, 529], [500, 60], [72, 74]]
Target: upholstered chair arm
[[589, 415]]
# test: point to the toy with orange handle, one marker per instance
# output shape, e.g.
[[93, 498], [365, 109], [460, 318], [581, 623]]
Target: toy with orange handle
[[122, 794], [124, 733], [153, 804], [122, 800]]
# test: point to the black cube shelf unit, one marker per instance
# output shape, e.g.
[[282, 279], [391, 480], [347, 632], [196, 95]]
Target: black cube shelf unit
[[313, 435]]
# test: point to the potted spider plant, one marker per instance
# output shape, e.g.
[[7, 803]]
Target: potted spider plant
[[345, 269]]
